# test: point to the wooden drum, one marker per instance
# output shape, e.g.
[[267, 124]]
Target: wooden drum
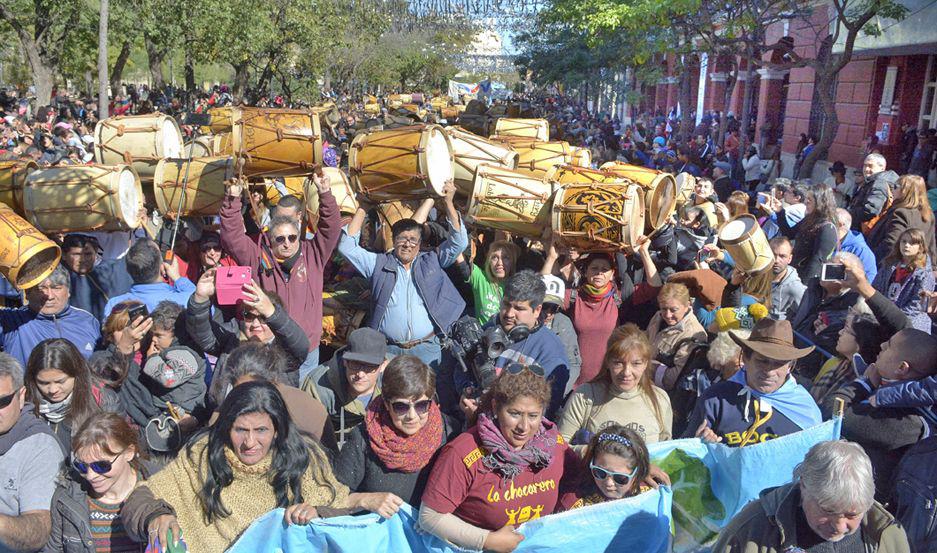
[[743, 238], [204, 189], [406, 163], [12, 180], [572, 174], [27, 257], [75, 198], [536, 129], [539, 157], [391, 212], [199, 147], [275, 142], [660, 191], [137, 140], [582, 157], [686, 186], [503, 199], [599, 217], [470, 151], [341, 189], [338, 321]]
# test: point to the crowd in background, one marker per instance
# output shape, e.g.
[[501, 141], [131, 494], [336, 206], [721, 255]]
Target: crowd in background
[[136, 402]]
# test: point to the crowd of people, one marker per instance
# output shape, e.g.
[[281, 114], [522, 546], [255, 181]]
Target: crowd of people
[[138, 407]]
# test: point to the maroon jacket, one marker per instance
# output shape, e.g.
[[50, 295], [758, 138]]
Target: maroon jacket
[[302, 295]]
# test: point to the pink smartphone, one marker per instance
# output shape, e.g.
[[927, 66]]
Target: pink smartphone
[[229, 282]]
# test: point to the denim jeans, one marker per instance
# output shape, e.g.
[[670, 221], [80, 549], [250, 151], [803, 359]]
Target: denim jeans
[[311, 362], [432, 354]]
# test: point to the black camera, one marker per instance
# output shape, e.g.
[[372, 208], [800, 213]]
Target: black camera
[[477, 349]]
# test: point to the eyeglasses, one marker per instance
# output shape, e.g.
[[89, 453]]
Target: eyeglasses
[[517, 368], [620, 478], [401, 241], [100, 467], [8, 399], [401, 408], [291, 237], [249, 317]]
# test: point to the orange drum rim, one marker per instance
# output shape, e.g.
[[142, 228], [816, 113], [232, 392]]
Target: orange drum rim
[[39, 257]]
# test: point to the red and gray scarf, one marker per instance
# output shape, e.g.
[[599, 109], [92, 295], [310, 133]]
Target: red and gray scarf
[[509, 462], [397, 451]]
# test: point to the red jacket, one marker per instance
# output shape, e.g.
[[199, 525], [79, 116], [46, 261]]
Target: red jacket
[[302, 294]]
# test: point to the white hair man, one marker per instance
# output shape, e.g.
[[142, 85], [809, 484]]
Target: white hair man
[[853, 241], [873, 194], [831, 501]]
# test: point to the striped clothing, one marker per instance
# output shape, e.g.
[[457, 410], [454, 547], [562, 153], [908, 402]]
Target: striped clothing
[[107, 529]]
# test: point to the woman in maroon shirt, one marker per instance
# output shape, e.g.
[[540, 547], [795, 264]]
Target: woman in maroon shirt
[[507, 469]]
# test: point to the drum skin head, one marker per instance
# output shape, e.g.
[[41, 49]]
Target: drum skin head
[[129, 198], [733, 230], [438, 160], [172, 139]]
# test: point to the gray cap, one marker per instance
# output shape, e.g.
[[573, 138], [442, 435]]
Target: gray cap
[[366, 345]]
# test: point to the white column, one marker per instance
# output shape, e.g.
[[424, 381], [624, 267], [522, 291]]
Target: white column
[[701, 89]]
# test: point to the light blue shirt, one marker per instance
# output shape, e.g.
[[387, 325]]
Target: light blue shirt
[[151, 294], [406, 318]]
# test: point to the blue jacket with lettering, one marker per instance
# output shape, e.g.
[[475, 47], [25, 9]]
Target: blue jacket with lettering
[[440, 296], [22, 329], [738, 418]]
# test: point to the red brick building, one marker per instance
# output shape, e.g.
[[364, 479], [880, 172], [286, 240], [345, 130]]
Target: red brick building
[[890, 82]]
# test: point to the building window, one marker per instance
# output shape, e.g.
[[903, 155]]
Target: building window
[[928, 119]]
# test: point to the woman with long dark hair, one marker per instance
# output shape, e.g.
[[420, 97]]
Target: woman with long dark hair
[[909, 210], [252, 460], [60, 386], [815, 236]]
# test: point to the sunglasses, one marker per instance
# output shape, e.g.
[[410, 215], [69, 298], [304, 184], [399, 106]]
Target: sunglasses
[[517, 368], [402, 408], [8, 399], [251, 317], [292, 238], [620, 478], [100, 467], [211, 247]]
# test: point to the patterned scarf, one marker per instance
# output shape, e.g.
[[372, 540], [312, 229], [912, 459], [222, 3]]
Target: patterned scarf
[[509, 462], [55, 412], [397, 451], [592, 294]]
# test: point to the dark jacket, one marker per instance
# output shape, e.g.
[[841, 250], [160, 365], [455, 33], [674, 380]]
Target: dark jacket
[[71, 516], [896, 220], [869, 199], [907, 295], [359, 468], [145, 398], [884, 434], [218, 340], [812, 247], [301, 289], [834, 310], [768, 526], [22, 329], [442, 300], [92, 291]]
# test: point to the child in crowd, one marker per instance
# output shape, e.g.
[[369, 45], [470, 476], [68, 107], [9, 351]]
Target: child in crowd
[[859, 343], [618, 462], [905, 274]]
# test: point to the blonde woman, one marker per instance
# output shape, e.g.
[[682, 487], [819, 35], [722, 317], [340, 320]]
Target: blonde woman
[[909, 209], [672, 332]]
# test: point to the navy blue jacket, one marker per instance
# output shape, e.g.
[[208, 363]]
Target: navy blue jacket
[[440, 296], [22, 329]]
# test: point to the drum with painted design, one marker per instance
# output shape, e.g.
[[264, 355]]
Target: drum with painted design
[[503, 199], [599, 217], [661, 191]]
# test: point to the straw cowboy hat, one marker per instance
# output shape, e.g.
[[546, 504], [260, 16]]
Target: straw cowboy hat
[[773, 339]]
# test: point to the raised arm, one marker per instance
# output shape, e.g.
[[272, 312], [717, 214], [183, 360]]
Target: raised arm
[[234, 237], [330, 220]]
